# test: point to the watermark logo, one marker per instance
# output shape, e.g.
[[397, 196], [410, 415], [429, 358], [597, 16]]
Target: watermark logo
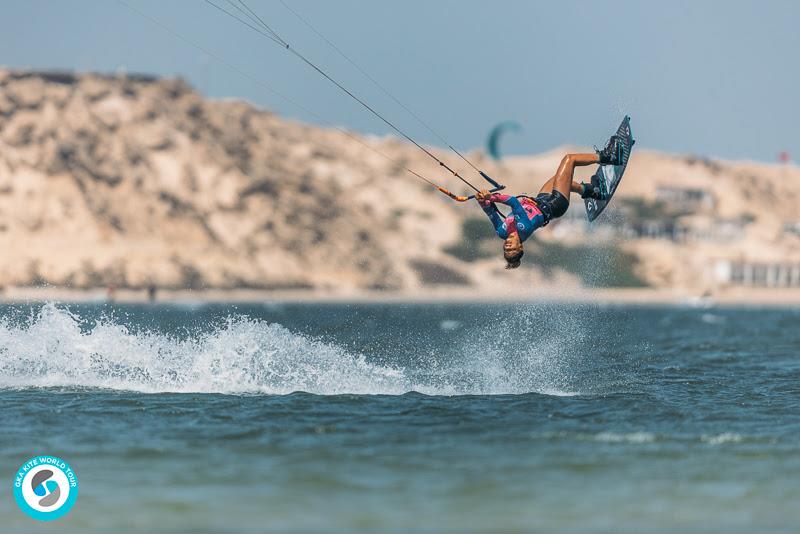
[[45, 487]]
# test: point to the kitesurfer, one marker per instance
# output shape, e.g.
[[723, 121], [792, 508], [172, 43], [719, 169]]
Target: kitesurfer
[[529, 214]]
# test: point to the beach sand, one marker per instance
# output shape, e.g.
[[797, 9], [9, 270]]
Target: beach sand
[[632, 296]]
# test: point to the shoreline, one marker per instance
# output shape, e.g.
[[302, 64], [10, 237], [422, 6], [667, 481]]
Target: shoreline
[[571, 295]]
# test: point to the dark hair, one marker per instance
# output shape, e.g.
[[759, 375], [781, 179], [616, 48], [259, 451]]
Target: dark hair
[[513, 263]]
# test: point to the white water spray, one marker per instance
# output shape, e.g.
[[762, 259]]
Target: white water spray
[[242, 356]]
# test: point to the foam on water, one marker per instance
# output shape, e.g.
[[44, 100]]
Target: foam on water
[[632, 437], [720, 439], [644, 438], [241, 356]]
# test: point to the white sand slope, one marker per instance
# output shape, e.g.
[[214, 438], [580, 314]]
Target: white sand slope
[[135, 181]]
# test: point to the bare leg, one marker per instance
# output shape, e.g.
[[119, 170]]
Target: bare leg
[[548, 186], [563, 179], [563, 183]]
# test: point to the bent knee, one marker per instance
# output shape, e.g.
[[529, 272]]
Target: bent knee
[[568, 158]]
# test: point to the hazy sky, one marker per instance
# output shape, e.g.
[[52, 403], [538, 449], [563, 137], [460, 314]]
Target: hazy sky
[[713, 78]]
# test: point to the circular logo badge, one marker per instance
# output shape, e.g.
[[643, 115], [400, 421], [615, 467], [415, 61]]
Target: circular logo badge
[[45, 487]]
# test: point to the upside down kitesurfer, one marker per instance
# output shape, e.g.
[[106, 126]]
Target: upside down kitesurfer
[[529, 214]]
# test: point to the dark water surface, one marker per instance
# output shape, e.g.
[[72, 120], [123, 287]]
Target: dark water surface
[[398, 418]]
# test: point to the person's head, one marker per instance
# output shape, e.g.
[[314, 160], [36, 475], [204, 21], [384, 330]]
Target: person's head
[[512, 251]]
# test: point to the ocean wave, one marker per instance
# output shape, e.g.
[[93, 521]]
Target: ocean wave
[[603, 437], [720, 439], [240, 356], [633, 437], [643, 437]]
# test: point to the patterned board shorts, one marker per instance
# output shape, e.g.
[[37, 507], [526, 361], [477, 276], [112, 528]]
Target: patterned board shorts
[[552, 205]]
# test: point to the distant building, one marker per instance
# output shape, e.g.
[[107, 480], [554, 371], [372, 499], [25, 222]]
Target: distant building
[[669, 229], [717, 230], [689, 197], [757, 274], [792, 228]]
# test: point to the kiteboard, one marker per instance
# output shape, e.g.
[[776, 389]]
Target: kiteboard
[[609, 176]]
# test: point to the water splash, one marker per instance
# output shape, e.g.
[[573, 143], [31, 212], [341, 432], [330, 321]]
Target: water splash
[[531, 349], [241, 356], [56, 348]]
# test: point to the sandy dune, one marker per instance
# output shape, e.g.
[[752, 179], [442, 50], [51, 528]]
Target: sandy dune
[[135, 181]]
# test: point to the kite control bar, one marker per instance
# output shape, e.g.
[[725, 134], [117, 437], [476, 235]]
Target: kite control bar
[[459, 198], [493, 190], [492, 181], [496, 186]]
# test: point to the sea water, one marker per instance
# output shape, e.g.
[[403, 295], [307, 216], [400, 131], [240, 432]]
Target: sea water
[[398, 418]]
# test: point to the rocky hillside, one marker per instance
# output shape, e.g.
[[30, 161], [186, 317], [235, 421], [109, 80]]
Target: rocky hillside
[[135, 181]]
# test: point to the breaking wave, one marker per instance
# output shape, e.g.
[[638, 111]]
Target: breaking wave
[[56, 348]]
